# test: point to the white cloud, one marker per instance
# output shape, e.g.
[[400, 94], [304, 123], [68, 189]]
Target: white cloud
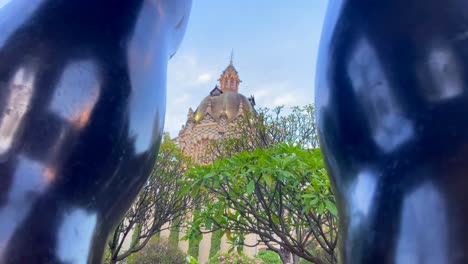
[[183, 99], [277, 93], [188, 82], [260, 94], [287, 100], [174, 122], [189, 59], [205, 78]]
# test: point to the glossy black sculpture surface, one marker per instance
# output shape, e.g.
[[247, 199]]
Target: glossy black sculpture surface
[[82, 105], [392, 110]]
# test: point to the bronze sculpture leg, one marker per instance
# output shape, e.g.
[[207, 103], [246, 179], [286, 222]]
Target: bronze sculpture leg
[[392, 107], [82, 103]]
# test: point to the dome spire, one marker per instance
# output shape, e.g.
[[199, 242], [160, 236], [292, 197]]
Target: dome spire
[[190, 115], [229, 80], [232, 56]]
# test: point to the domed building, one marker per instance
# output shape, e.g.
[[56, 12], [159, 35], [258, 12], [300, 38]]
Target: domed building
[[215, 114], [212, 119]]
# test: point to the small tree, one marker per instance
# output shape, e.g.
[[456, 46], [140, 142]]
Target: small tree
[[281, 193], [233, 258], [267, 127], [160, 251], [269, 257], [159, 202]]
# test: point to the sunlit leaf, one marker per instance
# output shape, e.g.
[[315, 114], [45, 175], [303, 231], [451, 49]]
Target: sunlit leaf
[[250, 187], [321, 208], [331, 207]]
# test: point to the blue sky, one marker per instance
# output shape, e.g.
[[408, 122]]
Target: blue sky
[[275, 50]]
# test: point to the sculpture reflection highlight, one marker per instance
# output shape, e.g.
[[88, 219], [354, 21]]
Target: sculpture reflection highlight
[[441, 74], [418, 240], [17, 103]]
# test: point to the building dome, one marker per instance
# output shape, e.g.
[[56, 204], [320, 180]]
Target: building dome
[[220, 103], [213, 117]]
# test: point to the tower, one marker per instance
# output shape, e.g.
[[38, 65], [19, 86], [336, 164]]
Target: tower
[[229, 80], [215, 115]]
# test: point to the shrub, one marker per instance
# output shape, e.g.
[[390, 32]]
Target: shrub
[[192, 260], [233, 258], [159, 251], [269, 257]]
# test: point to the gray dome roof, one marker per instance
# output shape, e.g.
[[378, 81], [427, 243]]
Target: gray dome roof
[[228, 102]]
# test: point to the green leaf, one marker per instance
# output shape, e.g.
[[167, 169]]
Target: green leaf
[[250, 187], [185, 190], [209, 175], [306, 208], [275, 219], [313, 201], [228, 234], [267, 178], [216, 182], [195, 190], [331, 207], [208, 223], [321, 208]]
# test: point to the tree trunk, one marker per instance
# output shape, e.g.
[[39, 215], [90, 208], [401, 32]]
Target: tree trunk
[[295, 259], [285, 256]]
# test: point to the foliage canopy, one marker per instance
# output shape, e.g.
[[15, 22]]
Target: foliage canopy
[[281, 193]]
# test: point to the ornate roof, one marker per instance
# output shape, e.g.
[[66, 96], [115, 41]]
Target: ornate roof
[[229, 79], [212, 117], [225, 101], [230, 104]]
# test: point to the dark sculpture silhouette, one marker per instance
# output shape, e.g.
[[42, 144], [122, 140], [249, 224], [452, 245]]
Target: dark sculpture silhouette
[[82, 105], [392, 111]]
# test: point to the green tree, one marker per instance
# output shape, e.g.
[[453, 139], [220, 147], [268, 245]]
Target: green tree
[[281, 193], [265, 128], [159, 202]]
